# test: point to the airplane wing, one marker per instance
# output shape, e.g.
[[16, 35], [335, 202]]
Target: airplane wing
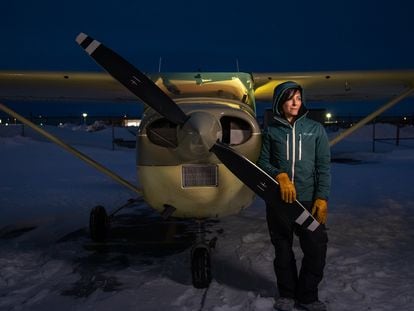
[[101, 87], [337, 85], [66, 86]]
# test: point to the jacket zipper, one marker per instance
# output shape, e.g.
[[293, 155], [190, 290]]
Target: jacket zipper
[[300, 147], [287, 147], [293, 153]]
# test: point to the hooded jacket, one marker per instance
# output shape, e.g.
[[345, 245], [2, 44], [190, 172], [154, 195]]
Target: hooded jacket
[[300, 149]]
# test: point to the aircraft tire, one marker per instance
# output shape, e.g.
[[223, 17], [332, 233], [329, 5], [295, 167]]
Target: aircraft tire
[[201, 267], [98, 224]]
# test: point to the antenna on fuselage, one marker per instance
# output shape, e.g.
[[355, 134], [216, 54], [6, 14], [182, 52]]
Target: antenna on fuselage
[[159, 64], [237, 65]]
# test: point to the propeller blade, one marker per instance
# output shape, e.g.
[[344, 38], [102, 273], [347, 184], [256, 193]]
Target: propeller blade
[[248, 172], [133, 79], [262, 184]]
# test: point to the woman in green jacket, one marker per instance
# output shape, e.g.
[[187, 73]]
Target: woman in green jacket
[[296, 153]]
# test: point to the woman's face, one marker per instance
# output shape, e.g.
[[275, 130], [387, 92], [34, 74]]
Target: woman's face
[[291, 106]]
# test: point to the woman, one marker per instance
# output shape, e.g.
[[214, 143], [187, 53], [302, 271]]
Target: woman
[[296, 152]]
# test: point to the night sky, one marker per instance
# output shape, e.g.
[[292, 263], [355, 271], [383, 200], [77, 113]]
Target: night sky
[[211, 35]]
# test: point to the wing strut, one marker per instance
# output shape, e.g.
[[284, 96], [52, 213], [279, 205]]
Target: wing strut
[[72, 150], [371, 116]]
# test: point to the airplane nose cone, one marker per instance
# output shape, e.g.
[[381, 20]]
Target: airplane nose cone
[[198, 135]]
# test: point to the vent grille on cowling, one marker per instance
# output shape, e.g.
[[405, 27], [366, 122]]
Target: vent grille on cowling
[[199, 175]]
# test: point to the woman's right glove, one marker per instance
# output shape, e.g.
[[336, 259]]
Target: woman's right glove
[[287, 188], [320, 210]]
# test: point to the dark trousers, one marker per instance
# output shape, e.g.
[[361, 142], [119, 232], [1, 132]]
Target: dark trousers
[[302, 287]]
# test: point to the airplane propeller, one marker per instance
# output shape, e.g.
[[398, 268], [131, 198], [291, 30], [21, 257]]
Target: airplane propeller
[[197, 133]]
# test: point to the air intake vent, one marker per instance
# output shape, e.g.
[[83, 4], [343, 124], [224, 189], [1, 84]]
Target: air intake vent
[[199, 176]]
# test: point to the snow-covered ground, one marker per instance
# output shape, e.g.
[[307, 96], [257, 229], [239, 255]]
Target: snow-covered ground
[[47, 260]]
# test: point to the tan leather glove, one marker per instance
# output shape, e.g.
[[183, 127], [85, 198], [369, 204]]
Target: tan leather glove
[[287, 188], [320, 210]]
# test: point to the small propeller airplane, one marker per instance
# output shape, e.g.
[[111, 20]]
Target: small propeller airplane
[[199, 137]]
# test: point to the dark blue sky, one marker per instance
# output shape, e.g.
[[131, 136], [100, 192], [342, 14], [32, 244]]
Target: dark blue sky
[[210, 35]]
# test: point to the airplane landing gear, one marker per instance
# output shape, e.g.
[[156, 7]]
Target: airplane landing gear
[[98, 224], [201, 266], [99, 220], [200, 259]]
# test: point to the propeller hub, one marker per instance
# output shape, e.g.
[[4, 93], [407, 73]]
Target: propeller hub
[[198, 135]]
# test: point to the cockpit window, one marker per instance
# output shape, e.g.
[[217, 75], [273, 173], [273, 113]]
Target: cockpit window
[[163, 133], [236, 131]]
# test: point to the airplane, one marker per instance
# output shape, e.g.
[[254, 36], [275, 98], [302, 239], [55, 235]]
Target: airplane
[[199, 136]]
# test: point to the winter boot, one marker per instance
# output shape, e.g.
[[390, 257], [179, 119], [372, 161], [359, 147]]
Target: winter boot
[[313, 306], [284, 304]]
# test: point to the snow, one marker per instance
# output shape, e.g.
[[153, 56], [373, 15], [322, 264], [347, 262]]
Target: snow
[[47, 260]]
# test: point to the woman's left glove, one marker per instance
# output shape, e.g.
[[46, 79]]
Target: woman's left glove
[[320, 210]]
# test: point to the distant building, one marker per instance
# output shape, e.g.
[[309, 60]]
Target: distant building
[[131, 122]]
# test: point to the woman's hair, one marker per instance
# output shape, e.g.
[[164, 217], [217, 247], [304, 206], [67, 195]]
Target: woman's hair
[[288, 94]]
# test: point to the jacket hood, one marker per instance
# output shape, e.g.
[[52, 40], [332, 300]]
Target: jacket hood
[[278, 94]]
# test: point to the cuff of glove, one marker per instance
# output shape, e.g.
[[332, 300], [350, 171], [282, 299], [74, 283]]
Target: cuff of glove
[[282, 177], [321, 202]]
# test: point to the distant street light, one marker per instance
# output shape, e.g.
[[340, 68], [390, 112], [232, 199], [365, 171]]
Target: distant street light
[[328, 117], [84, 115]]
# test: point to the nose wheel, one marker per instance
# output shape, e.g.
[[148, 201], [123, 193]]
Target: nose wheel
[[201, 266], [201, 259]]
